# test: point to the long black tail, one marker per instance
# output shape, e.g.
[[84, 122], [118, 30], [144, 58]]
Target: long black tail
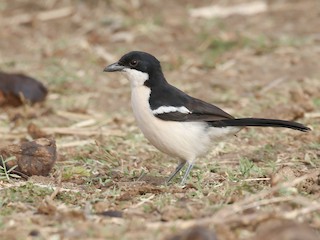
[[260, 122]]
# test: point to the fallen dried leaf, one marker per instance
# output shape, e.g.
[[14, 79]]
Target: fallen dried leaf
[[16, 89]]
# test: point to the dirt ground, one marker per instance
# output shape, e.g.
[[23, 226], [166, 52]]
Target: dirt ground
[[108, 181]]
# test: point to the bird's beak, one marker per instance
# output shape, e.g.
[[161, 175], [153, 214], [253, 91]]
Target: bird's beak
[[115, 67]]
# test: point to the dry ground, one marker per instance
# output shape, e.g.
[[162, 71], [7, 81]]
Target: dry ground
[[107, 182]]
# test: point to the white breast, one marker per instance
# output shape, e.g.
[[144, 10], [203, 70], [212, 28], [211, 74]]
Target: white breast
[[186, 140]]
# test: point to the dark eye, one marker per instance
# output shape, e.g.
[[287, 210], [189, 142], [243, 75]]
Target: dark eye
[[133, 63]]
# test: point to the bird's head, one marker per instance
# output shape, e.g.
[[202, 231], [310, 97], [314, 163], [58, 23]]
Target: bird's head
[[140, 68]]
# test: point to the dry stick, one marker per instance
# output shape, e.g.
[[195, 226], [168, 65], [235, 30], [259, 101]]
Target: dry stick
[[272, 84], [235, 208], [312, 115], [62, 131], [255, 179], [43, 16], [20, 184], [217, 220], [74, 131], [57, 190], [73, 115], [75, 143], [61, 189], [143, 201], [225, 214], [85, 123]]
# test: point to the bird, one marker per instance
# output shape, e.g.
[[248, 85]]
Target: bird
[[176, 123]]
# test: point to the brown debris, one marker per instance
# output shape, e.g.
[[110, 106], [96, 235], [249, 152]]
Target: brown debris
[[284, 174], [134, 189], [298, 96], [17, 89], [47, 206], [111, 213], [287, 174], [36, 132], [153, 180], [33, 158], [195, 233], [311, 185]]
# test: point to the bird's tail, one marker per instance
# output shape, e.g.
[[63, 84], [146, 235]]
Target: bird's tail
[[259, 122]]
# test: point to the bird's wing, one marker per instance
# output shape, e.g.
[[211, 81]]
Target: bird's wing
[[174, 105]]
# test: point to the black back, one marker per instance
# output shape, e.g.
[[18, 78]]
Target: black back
[[164, 94]]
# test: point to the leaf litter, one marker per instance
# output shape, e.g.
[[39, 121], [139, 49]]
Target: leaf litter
[[107, 180]]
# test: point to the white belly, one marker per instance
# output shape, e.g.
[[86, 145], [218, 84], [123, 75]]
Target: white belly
[[186, 140]]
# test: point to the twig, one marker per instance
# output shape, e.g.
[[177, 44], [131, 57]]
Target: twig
[[221, 11], [42, 16], [69, 131], [57, 190], [85, 123], [73, 116], [230, 210], [101, 52], [255, 179], [272, 84], [143, 201], [80, 132], [312, 115], [76, 143], [227, 214], [21, 184]]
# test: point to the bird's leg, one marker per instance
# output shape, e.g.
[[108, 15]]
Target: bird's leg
[[190, 166], [178, 168]]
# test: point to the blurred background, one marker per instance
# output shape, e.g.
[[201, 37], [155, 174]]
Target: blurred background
[[218, 49], [249, 57]]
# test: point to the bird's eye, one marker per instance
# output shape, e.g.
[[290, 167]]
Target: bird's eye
[[133, 63]]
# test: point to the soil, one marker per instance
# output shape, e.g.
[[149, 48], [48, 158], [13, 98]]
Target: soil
[[108, 181]]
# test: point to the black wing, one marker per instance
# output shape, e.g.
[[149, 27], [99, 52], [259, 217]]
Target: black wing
[[194, 109]]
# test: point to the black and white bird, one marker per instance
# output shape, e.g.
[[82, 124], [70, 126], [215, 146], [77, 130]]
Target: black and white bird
[[174, 122]]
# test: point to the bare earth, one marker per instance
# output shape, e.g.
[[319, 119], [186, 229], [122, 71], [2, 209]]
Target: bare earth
[[108, 180]]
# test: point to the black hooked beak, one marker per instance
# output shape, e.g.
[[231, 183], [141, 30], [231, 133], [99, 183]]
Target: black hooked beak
[[115, 67]]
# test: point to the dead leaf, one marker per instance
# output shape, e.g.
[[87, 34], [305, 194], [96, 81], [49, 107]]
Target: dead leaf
[[17, 89]]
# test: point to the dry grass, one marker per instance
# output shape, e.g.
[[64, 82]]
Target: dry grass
[[107, 182]]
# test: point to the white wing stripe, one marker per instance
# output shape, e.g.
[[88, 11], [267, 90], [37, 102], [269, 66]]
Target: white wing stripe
[[168, 109]]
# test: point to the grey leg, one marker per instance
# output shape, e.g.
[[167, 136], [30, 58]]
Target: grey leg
[[190, 166], [178, 168]]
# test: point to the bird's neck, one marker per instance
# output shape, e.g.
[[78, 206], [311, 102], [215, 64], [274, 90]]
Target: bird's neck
[[156, 79]]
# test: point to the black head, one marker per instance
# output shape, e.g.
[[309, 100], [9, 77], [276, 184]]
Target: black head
[[138, 65]]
